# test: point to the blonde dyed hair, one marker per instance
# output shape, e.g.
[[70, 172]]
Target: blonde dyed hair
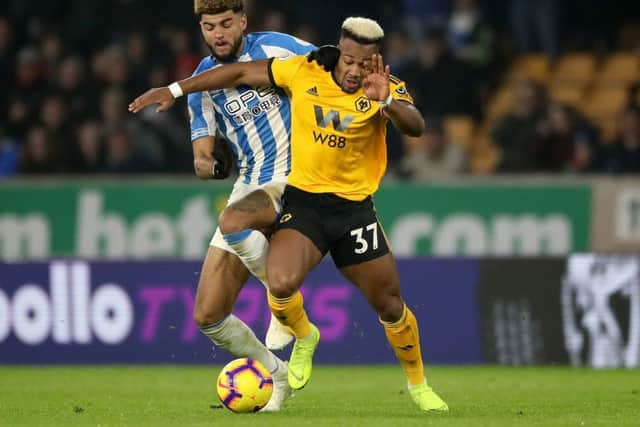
[[362, 30]]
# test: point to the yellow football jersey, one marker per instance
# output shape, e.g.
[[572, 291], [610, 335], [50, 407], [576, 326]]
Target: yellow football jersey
[[337, 139]]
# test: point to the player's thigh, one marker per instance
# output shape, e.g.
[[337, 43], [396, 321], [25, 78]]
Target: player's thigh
[[298, 244], [222, 277], [292, 255], [255, 210]]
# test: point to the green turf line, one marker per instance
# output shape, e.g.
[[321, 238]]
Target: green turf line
[[336, 396]]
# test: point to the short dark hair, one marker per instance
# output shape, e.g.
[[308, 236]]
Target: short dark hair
[[213, 7]]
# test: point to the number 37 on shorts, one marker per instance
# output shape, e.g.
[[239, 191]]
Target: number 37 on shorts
[[361, 243], [365, 238]]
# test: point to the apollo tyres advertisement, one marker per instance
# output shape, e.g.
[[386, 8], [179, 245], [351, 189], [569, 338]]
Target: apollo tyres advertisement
[[582, 310]]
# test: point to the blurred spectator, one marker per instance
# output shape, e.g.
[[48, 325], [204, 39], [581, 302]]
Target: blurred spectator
[[88, 151], [158, 75], [308, 33], [72, 85], [115, 116], [440, 83], [173, 136], [565, 141], [27, 91], [470, 38], [53, 117], [432, 156], [137, 52], [515, 133], [535, 25], [623, 156], [39, 155], [52, 50], [8, 155], [115, 67], [170, 125], [420, 14], [398, 52], [185, 59], [633, 97], [18, 117], [122, 157], [274, 20], [6, 59], [29, 70]]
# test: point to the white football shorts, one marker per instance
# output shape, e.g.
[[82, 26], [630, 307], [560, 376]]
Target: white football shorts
[[273, 188]]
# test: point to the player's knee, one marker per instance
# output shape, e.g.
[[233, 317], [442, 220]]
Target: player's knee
[[206, 315], [230, 222], [282, 283], [390, 308]]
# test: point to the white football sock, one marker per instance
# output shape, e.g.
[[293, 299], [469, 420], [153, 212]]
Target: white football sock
[[234, 336], [251, 247]]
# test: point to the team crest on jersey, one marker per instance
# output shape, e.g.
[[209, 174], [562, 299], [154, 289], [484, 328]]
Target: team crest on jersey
[[285, 218], [363, 104]]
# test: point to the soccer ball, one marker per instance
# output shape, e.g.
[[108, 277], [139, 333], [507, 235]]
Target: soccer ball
[[244, 385]]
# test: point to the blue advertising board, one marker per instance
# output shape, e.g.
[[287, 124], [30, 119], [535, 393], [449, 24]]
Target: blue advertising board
[[75, 311]]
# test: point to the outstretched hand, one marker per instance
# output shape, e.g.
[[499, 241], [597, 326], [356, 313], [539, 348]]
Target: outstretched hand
[[376, 84], [160, 95]]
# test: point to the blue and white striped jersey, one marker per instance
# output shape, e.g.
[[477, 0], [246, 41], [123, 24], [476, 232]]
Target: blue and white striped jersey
[[255, 121]]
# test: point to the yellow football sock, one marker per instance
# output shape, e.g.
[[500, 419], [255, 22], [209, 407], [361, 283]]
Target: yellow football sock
[[290, 312], [404, 338]]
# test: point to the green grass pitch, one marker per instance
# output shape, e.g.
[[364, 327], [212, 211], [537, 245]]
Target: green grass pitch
[[336, 396]]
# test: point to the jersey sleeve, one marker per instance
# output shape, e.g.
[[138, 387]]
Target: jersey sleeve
[[280, 45], [399, 90], [282, 71], [301, 47], [201, 115]]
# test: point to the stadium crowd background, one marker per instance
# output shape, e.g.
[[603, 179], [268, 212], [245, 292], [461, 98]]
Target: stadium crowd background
[[506, 86]]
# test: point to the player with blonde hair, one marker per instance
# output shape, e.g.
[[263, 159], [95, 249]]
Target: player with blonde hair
[[340, 111]]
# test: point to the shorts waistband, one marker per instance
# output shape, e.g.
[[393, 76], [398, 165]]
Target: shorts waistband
[[325, 198]]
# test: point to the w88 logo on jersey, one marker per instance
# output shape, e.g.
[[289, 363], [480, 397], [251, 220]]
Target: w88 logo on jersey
[[330, 140]]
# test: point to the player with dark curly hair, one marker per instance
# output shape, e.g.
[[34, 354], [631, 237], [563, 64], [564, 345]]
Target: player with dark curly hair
[[248, 125]]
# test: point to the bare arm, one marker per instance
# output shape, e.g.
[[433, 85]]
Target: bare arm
[[212, 158], [406, 118], [203, 157], [253, 73]]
